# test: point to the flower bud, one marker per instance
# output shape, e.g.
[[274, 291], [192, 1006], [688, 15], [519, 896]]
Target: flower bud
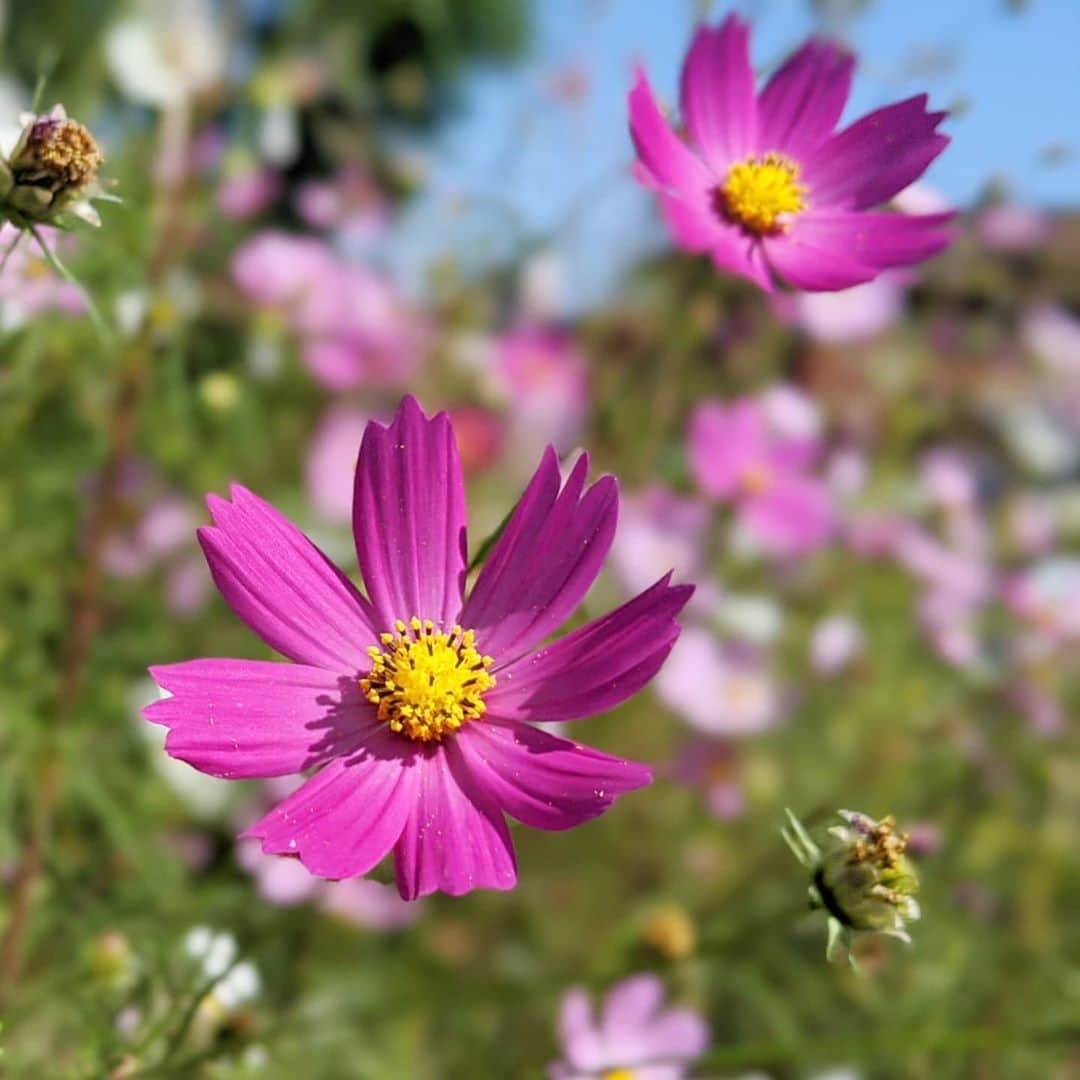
[[112, 961], [670, 931], [52, 170], [863, 878]]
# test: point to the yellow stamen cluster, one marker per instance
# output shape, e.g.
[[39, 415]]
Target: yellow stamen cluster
[[427, 682], [882, 845], [761, 194], [64, 150]]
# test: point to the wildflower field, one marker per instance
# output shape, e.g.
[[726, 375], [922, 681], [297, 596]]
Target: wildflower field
[[538, 540]]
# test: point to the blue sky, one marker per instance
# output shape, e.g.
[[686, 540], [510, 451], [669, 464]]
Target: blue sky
[[518, 163]]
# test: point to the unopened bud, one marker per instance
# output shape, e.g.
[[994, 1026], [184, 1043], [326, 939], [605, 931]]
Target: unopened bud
[[863, 878], [112, 960], [671, 932]]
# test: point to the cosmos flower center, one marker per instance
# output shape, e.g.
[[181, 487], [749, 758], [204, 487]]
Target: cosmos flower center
[[60, 152], [761, 194], [756, 480], [619, 1074], [427, 682]]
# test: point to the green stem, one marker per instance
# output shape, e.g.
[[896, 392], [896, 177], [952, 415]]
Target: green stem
[[92, 309], [10, 248]]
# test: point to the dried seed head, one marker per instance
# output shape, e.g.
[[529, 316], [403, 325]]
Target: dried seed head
[[52, 169]]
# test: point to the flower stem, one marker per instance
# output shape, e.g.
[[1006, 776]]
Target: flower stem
[[91, 307], [10, 249]]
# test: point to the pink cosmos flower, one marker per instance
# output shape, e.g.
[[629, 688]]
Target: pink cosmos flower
[[243, 195], [29, 286], [331, 461], [544, 375], [737, 456], [634, 1036], [855, 314], [720, 691], [415, 704], [658, 528], [353, 325], [765, 186]]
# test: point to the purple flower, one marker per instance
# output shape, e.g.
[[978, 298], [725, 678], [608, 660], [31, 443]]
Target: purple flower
[[416, 704], [765, 186], [634, 1036], [737, 455]]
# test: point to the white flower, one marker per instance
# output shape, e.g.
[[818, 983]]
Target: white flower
[[166, 53]]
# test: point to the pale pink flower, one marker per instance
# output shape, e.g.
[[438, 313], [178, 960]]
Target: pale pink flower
[[850, 315], [331, 461], [718, 690], [633, 1036], [1011, 228]]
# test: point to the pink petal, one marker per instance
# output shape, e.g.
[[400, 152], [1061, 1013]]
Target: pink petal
[[254, 718], [409, 517], [697, 227], [630, 1005], [455, 838], [580, 1038], [544, 781], [597, 666], [837, 245], [679, 1034], [815, 266], [545, 561], [794, 516], [284, 587], [723, 443], [877, 156], [348, 816], [802, 102], [717, 93], [336, 364], [665, 161]]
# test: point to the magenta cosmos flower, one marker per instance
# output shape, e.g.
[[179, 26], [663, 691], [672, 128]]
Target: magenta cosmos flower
[[764, 185], [635, 1036], [414, 703], [737, 455]]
